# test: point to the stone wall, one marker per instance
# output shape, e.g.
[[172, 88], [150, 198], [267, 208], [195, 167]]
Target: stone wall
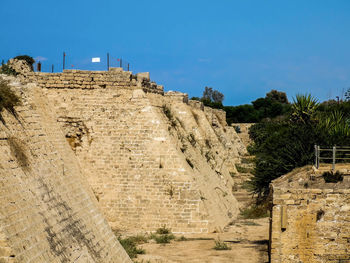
[[48, 212], [151, 158], [310, 224]]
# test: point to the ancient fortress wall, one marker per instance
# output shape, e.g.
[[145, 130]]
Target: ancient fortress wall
[[152, 159], [48, 212], [310, 225]]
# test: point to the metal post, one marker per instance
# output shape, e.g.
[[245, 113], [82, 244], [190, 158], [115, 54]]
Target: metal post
[[107, 61], [38, 66], [128, 67], [315, 156], [121, 63], [52, 68], [318, 157], [64, 59], [333, 163]]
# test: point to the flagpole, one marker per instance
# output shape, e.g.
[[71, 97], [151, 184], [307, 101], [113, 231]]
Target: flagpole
[[64, 59], [107, 61]]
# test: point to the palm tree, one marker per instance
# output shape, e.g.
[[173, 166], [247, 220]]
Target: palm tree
[[336, 124], [304, 108]]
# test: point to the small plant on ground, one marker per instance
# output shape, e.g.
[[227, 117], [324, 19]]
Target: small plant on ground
[[331, 177], [221, 245], [130, 243], [163, 231], [130, 247], [164, 239], [182, 238], [163, 235]]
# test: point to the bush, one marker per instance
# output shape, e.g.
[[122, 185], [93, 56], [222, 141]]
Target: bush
[[182, 238], [242, 169], [220, 245], [8, 99], [163, 231], [331, 177], [5, 69], [130, 247], [26, 58], [279, 147], [163, 239], [163, 235], [254, 212]]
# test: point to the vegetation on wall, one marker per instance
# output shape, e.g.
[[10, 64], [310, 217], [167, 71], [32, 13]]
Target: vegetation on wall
[[5, 69], [8, 99], [26, 58]]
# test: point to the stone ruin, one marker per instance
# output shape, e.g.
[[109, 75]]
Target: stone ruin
[[93, 150], [310, 218]]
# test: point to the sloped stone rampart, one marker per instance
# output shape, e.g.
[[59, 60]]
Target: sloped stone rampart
[[132, 153], [48, 212]]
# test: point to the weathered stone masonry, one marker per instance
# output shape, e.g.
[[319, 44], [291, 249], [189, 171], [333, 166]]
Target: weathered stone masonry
[[47, 211], [310, 225], [146, 171]]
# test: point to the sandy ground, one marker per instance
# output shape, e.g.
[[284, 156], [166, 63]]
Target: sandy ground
[[248, 240]]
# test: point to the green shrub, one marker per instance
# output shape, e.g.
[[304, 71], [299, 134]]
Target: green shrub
[[279, 147], [242, 169], [130, 247], [254, 212], [8, 99], [139, 239], [232, 174], [182, 238], [163, 231], [221, 245], [5, 69], [163, 235], [331, 177], [163, 239], [26, 58]]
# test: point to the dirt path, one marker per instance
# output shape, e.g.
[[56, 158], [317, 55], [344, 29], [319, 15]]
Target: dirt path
[[247, 239]]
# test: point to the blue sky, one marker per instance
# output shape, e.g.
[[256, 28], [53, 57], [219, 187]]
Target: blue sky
[[242, 48]]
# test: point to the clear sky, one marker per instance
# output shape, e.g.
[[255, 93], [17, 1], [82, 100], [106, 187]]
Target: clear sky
[[242, 48]]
